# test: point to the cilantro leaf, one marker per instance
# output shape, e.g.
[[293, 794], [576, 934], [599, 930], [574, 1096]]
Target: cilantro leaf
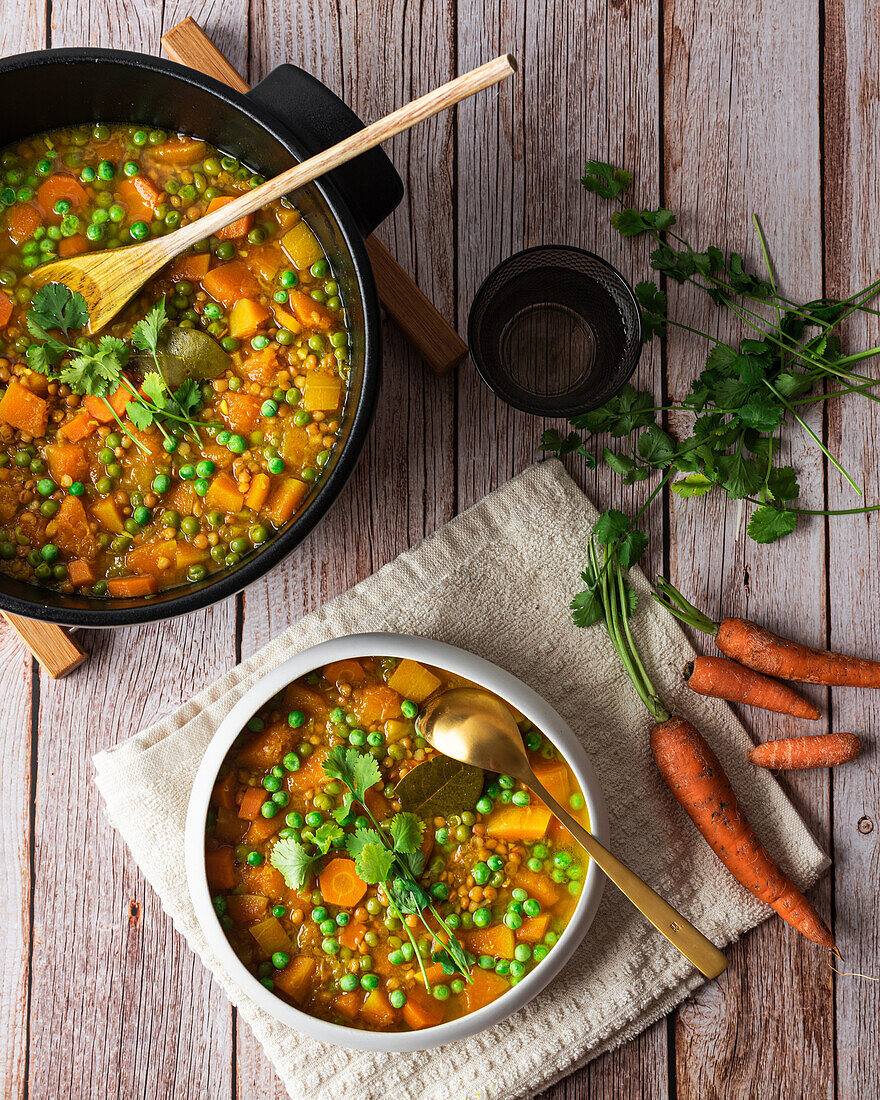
[[407, 896], [551, 440], [761, 412], [153, 386], [769, 524], [139, 414], [586, 608], [145, 334], [357, 770], [656, 447], [40, 358], [610, 526], [327, 836], [694, 485], [452, 961], [373, 862], [628, 223], [55, 306], [406, 831], [345, 812], [604, 179], [740, 476], [631, 548], [782, 483], [293, 861], [619, 463]]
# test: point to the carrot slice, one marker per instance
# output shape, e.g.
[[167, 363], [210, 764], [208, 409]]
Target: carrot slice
[[340, 884], [55, 189], [252, 802], [73, 246], [421, 1009], [21, 408], [220, 869], [235, 229], [22, 221], [133, 586]]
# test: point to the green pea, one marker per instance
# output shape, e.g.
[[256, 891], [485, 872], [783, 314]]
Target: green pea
[[237, 444], [506, 782], [521, 798], [314, 819], [121, 544], [272, 783], [576, 801], [45, 486], [540, 952], [189, 525], [482, 918], [484, 806], [225, 250], [269, 808], [562, 860], [255, 858], [319, 269], [369, 981], [481, 874], [441, 835], [289, 278], [348, 983], [201, 486], [258, 533], [535, 865], [397, 998]]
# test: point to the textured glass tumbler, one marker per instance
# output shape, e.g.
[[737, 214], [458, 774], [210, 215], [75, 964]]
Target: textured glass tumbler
[[555, 331]]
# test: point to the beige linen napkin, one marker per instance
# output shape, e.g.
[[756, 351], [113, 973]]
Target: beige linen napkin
[[497, 580]]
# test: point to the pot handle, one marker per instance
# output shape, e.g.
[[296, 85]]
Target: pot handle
[[318, 118]]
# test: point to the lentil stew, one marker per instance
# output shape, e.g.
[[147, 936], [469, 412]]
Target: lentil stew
[[501, 877], [255, 330]]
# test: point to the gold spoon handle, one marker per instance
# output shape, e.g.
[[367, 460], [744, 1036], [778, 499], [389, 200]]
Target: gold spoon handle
[[425, 107], [669, 922]]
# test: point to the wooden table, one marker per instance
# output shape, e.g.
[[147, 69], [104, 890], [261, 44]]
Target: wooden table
[[768, 107]]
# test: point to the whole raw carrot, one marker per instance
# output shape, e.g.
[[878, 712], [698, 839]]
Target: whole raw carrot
[[724, 679], [698, 781], [758, 648], [823, 750]]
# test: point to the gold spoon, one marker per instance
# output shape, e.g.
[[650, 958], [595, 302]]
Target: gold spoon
[[108, 279], [473, 726]]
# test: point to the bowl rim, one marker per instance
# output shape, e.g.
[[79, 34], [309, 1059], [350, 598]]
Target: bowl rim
[[184, 599], [452, 659]]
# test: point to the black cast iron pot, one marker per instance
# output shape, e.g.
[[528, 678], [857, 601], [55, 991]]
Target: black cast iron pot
[[287, 117]]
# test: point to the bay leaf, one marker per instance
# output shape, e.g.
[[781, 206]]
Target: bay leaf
[[185, 353], [440, 787]]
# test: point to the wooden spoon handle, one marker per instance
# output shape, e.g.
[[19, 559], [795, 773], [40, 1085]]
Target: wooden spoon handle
[[404, 118], [52, 646], [668, 921], [424, 327]]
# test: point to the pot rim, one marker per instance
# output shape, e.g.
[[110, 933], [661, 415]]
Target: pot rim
[[194, 597], [452, 659]]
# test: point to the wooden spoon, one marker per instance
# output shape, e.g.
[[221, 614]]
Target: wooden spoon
[[108, 279], [471, 725]]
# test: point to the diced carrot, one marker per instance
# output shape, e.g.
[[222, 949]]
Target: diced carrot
[[265, 747], [375, 703], [309, 313], [140, 197], [22, 221], [537, 885], [519, 822], [258, 492], [193, 268], [302, 246], [340, 884], [220, 868], [310, 774], [413, 681], [73, 246], [377, 1009], [263, 827], [271, 937], [252, 802], [181, 498], [246, 318], [421, 1009], [485, 987], [229, 282], [5, 309], [144, 585], [433, 974], [555, 776], [23, 409], [235, 229], [147, 557], [347, 671], [262, 366], [78, 427], [67, 460], [265, 879], [243, 908], [285, 499], [286, 319], [59, 187], [266, 260], [223, 793], [348, 1004], [352, 935], [224, 495], [534, 929], [240, 411], [102, 409], [107, 514], [321, 391], [377, 803], [80, 572], [180, 151], [296, 978], [72, 532], [497, 940], [299, 697], [186, 554]]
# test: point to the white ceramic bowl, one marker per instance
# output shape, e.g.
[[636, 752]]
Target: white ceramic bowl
[[461, 663]]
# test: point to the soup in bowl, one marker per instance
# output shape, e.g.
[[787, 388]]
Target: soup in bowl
[[370, 891]]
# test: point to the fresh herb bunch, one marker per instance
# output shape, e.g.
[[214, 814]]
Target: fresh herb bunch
[[96, 369], [746, 392], [389, 856]]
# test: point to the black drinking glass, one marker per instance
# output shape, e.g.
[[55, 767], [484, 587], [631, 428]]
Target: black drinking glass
[[555, 331]]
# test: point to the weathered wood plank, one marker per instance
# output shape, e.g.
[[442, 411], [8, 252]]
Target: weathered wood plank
[[23, 27], [851, 158], [111, 24], [404, 486], [741, 135], [521, 154], [15, 880]]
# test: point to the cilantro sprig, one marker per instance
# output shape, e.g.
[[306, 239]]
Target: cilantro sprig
[[385, 855], [747, 391], [97, 368]]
